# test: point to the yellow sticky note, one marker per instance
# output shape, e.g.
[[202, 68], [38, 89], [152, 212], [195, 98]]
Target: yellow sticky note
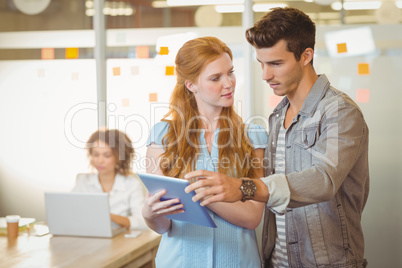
[[274, 100], [342, 48], [164, 51], [363, 95], [116, 71], [142, 52], [169, 70], [153, 97], [125, 102], [47, 53], [363, 69], [72, 53]]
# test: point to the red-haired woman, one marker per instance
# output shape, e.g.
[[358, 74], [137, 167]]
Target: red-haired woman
[[202, 131]]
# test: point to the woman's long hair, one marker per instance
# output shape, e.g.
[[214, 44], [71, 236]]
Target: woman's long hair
[[181, 143]]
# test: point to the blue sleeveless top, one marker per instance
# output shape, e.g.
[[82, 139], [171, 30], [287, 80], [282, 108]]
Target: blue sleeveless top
[[188, 245]]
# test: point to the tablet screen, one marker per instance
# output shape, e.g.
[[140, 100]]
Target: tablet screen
[[193, 212]]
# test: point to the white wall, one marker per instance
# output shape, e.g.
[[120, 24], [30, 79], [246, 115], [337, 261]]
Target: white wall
[[36, 114], [46, 114]]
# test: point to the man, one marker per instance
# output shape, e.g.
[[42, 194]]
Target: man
[[317, 175]]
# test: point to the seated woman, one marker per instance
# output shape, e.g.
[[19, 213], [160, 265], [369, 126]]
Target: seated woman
[[110, 152]]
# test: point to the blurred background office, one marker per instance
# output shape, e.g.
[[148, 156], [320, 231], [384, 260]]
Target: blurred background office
[[69, 66]]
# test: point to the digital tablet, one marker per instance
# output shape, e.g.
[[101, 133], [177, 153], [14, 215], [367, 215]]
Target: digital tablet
[[193, 212]]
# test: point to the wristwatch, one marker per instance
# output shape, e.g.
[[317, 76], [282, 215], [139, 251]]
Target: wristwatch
[[248, 189]]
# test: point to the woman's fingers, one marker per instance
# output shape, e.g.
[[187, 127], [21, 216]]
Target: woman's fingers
[[171, 210], [158, 207]]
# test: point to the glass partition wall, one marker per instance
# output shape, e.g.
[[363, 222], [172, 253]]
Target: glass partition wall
[[49, 101]]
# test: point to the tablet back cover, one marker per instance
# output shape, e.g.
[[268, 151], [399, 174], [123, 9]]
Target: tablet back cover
[[193, 212]]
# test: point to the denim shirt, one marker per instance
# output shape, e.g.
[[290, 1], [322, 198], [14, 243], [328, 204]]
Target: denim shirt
[[327, 177], [189, 245]]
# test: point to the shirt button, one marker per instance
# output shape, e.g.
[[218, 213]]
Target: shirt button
[[288, 147]]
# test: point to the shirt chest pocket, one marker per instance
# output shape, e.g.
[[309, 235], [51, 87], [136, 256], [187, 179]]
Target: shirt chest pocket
[[303, 144]]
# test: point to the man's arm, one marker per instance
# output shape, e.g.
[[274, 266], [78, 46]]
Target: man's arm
[[341, 142], [222, 188]]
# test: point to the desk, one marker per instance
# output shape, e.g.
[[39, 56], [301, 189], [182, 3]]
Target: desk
[[63, 251]]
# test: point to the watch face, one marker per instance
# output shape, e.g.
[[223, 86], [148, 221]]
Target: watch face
[[248, 188]]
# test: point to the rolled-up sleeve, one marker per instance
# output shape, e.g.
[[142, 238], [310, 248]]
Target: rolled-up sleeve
[[279, 193]]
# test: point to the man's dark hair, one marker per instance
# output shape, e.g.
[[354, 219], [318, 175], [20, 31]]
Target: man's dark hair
[[289, 24]]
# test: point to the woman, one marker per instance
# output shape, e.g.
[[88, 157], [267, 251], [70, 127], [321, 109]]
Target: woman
[[202, 131], [110, 153]]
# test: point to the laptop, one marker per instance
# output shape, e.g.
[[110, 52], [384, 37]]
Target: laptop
[[80, 214]]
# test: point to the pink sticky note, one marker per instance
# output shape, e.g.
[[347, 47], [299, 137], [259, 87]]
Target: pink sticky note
[[47, 53], [142, 52], [363, 95], [125, 102], [153, 97]]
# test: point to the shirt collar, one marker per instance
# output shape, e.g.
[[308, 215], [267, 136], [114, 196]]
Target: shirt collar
[[117, 185], [313, 98], [315, 95]]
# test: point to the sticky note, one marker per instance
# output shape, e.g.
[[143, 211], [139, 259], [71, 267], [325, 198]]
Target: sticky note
[[164, 51], [142, 52], [74, 76], [47, 53], [125, 102], [153, 97], [169, 70], [363, 95], [41, 72], [342, 48], [363, 69], [72, 53], [116, 71], [135, 70], [274, 100]]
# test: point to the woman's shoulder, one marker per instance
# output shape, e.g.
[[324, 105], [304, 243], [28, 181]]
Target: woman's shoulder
[[131, 181], [86, 182], [158, 131], [86, 177], [257, 135], [132, 177], [162, 125], [256, 129]]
